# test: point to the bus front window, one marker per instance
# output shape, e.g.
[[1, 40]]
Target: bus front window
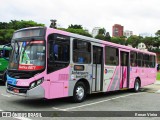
[[28, 56]]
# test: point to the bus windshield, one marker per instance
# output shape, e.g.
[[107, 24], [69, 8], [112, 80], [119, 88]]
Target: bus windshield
[[27, 55]]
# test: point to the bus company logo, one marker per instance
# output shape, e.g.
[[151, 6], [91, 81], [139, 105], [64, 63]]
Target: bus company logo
[[107, 71]]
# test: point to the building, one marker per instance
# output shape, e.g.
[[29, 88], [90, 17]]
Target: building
[[117, 30], [95, 31], [142, 46], [128, 33]]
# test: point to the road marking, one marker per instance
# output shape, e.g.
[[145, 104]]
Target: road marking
[[58, 109], [71, 108], [158, 91], [22, 118], [6, 95]]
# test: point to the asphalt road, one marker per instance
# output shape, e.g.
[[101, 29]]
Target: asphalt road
[[148, 99]]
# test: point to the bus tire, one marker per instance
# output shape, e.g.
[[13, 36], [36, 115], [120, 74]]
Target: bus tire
[[4, 78], [136, 85], [79, 93]]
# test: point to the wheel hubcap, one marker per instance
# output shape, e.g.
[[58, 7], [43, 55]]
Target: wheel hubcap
[[80, 92], [137, 86]]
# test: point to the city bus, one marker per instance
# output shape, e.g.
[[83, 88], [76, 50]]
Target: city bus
[[4, 57], [50, 63]]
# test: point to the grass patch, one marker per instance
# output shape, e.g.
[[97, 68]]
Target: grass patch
[[158, 75]]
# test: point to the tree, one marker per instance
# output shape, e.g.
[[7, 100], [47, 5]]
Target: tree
[[3, 25], [7, 29], [148, 41], [102, 31], [157, 33], [75, 26], [14, 24], [118, 40], [134, 40], [78, 31], [100, 36], [156, 42], [5, 35], [108, 37]]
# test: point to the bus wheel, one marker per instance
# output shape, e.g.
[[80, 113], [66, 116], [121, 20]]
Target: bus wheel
[[136, 85], [79, 92], [4, 78]]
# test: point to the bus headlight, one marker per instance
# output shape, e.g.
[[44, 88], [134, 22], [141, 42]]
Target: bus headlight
[[36, 83], [33, 85]]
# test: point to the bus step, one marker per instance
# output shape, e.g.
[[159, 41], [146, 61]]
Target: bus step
[[96, 91], [124, 89]]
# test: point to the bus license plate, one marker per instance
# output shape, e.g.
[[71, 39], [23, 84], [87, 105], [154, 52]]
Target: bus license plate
[[16, 90]]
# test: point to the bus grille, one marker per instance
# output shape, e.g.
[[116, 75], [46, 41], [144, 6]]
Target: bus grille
[[20, 89]]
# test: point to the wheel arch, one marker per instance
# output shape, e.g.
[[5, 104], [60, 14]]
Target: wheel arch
[[85, 81]]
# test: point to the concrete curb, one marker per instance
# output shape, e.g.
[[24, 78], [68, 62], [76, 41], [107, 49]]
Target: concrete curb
[[157, 82]]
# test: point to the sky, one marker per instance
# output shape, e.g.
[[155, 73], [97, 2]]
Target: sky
[[139, 16]]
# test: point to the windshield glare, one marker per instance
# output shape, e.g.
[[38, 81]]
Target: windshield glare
[[28, 56]]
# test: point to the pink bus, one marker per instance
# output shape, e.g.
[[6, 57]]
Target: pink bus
[[50, 63]]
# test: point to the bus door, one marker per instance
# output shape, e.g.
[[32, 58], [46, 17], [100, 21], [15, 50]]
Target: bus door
[[125, 69], [97, 79]]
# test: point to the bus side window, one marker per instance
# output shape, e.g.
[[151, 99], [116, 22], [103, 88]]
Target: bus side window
[[152, 61], [112, 60], [81, 51], [133, 59], [111, 56], [55, 51], [80, 60]]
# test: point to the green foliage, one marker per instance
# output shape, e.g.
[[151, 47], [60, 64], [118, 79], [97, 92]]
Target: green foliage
[[148, 41], [157, 33], [100, 36], [134, 40], [79, 31], [5, 35], [75, 26], [154, 50], [118, 40], [108, 37], [102, 31], [156, 42], [103, 35], [7, 29], [158, 75], [14, 24]]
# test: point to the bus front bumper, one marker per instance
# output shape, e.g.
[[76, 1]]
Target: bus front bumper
[[37, 92]]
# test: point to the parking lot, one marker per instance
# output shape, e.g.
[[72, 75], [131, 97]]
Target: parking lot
[[145, 100]]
